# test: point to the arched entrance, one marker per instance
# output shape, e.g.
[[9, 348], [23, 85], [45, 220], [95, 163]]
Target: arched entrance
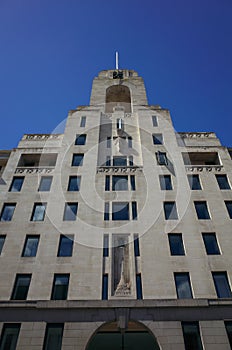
[[118, 95], [136, 337]]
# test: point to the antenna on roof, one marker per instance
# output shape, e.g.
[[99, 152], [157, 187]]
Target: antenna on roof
[[116, 60]]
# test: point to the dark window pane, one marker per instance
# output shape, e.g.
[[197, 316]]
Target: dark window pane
[[136, 245], [119, 161], [154, 120], [108, 142], [132, 179], [21, 287], [157, 139], [30, 246], [202, 210], [165, 182], [194, 182], [74, 183], [120, 211], [192, 338], [176, 244], [106, 245], [7, 212], [162, 158], [229, 208], [38, 212], [80, 140], [139, 290], [210, 242], [45, 183], [223, 182], [108, 161], [65, 246], [183, 287], [77, 159], [60, 287], [2, 241], [107, 183], [107, 212], [70, 211], [228, 325], [53, 336], [120, 183], [134, 210], [9, 336], [129, 141], [221, 284], [131, 162], [83, 122], [105, 287], [170, 211], [16, 184]]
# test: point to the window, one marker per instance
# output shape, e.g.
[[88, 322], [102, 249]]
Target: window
[[129, 141], [9, 336], [229, 208], [221, 284], [38, 212], [21, 286], [80, 140], [107, 211], [134, 210], [105, 286], [53, 336], [192, 338], [194, 182], [120, 183], [157, 139], [45, 183], [74, 183], [107, 183], [223, 182], [60, 287], [202, 210], [119, 161], [136, 245], [30, 246], [108, 142], [161, 158], [183, 287], [165, 182], [7, 211], [65, 246], [228, 325], [131, 162], [120, 211], [211, 245], [2, 241], [176, 244], [139, 290], [108, 161], [37, 160], [154, 120], [106, 245], [170, 211], [70, 211], [83, 122], [16, 184], [77, 159], [132, 178], [201, 158], [120, 124]]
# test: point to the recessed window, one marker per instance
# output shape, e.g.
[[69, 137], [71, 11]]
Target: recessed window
[[161, 158], [223, 182], [165, 182], [2, 241], [38, 212], [154, 120], [119, 161], [16, 184], [60, 287], [139, 289], [105, 286], [74, 183], [65, 246], [194, 182], [77, 159], [132, 180], [21, 287], [7, 211], [9, 336], [106, 245], [80, 140], [37, 160], [131, 161], [30, 246], [157, 139], [170, 211], [228, 325], [201, 158], [120, 124], [210, 242], [70, 211], [134, 210], [136, 245], [53, 336], [108, 142], [120, 183], [83, 122], [176, 244], [107, 211], [192, 337], [202, 210], [229, 208], [45, 183], [221, 284], [183, 287], [108, 161], [120, 211], [129, 141]]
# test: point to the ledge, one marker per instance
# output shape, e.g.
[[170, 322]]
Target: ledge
[[40, 137], [119, 169], [200, 168], [34, 170]]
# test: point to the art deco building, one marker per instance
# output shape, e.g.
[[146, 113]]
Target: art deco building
[[117, 233]]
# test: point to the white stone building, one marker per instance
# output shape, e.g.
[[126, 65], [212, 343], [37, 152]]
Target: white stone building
[[117, 233]]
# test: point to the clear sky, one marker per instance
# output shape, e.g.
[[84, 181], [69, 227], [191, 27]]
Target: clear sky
[[50, 50]]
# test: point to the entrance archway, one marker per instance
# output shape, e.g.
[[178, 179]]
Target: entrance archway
[[136, 337], [118, 96]]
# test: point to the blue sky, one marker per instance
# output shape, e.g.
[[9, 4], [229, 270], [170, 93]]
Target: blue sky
[[52, 49]]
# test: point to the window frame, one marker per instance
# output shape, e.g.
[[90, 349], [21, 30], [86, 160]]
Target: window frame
[[80, 139], [164, 186], [170, 215], [70, 238], [157, 139], [83, 122], [47, 336], [2, 242], [8, 217], [180, 294], [208, 245], [197, 334], [217, 287], [194, 185], [37, 205], [80, 162], [55, 292], [228, 205], [199, 214], [76, 184], [181, 249], [23, 255], [47, 187], [66, 214], [16, 288], [15, 178], [223, 186], [13, 336]]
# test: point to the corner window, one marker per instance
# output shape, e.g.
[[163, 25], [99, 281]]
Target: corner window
[[194, 182], [9, 336], [60, 287], [21, 287], [223, 182], [229, 208], [221, 284], [192, 337], [202, 210], [30, 246], [65, 246], [77, 159], [38, 212], [53, 336], [7, 211], [45, 183], [165, 182], [176, 244], [74, 183], [70, 211], [157, 139], [183, 286], [170, 211], [16, 184], [2, 241], [210, 242], [80, 140]]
